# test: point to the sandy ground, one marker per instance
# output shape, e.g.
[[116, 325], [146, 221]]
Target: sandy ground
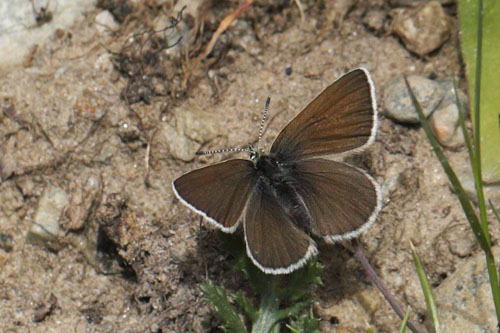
[[74, 125]]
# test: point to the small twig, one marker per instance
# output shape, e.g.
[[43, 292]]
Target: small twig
[[415, 327], [301, 10], [225, 23], [147, 159]]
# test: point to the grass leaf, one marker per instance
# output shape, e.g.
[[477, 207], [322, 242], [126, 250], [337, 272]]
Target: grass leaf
[[426, 288], [405, 321]]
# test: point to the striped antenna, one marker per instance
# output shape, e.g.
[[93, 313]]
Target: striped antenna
[[264, 117], [227, 150]]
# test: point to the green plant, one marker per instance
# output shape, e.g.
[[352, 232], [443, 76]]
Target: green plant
[[273, 292], [474, 29]]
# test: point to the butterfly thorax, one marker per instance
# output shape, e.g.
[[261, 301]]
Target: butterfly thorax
[[278, 180]]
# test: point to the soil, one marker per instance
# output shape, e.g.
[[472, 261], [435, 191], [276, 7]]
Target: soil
[[73, 123]]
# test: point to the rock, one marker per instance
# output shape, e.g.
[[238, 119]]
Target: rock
[[446, 126], [464, 300], [6, 242], [423, 29], [84, 192], [445, 121], [105, 22], [397, 100], [199, 126], [45, 229], [11, 199], [491, 191], [449, 96], [337, 10], [178, 145], [375, 20], [461, 241]]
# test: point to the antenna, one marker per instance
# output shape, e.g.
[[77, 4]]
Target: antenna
[[264, 117], [227, 150], [250, 149]]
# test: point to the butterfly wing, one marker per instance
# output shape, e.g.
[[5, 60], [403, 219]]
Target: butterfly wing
[[342, 118], [218, 192], [274, 243], [342, 201]]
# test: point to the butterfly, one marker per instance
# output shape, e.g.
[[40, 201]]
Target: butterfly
[[292, 192]]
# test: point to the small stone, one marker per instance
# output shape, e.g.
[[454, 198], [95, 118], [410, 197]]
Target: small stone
[[397, 100], [45, 228], [446, 126], [423, 29], [178, 145], [6, 242], [375, 19], [10, 199], [197, 125], [84, 192], [449, 96], [338, 10], [105, 22], [461, 240], [491, 191], [467, 291]]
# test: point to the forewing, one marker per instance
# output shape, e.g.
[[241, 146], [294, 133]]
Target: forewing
[[274, 243], [218, 192], [343, 201], [342, 118]]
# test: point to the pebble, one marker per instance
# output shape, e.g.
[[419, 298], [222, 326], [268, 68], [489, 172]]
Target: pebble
[[464, 300], [6, 242], [449, 95], [461, 241], [445, 121], [397, 100], [375, 20], [337, 10], [491, 191], [445, 124], [84, 191], [175, 143], [105, 22], [199, 126], [423, 29], [45, 228]]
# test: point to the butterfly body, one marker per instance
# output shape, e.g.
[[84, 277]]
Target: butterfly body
[[278, 179], [291, 192]]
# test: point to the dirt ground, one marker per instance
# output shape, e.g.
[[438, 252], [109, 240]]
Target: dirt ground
[[80, 114]]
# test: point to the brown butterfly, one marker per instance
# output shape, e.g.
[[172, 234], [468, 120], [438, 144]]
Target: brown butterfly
[[283, 196]]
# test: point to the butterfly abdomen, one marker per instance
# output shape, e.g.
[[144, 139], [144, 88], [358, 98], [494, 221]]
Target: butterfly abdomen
[[278, 179]]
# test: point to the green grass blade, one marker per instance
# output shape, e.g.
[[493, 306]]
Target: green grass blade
[[217, 296], [477, 137], [405, 321], [462, 196], [426, 288], [497, 215], [461, 119]]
